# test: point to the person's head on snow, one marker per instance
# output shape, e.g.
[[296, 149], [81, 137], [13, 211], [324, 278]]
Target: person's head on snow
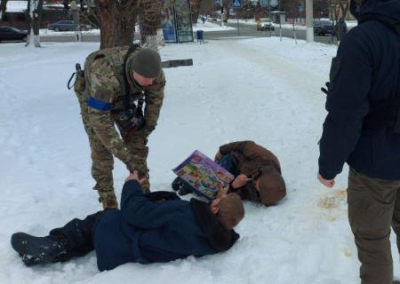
[[228, 209], [270, 185]]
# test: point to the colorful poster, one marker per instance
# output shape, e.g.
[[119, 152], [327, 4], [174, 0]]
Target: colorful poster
[[203, 174]]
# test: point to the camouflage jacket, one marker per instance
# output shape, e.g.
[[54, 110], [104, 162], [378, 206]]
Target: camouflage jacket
[[105, 88]]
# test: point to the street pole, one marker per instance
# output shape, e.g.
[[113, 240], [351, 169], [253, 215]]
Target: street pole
[[237, 18], [236, 7], [222, 13], [270, 19], [309, 21]]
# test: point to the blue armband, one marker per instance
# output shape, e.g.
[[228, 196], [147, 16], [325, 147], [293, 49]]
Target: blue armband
[[99, 105]]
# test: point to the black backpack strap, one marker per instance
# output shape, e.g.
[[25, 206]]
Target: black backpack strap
[[69, 81], [79, 72], [132, 48]]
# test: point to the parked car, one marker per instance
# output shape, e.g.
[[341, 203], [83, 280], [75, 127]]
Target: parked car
[[323, 27], [10, 33], [265, 24], [66, 25]]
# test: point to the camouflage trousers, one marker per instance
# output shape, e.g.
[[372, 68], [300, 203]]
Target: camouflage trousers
[[102, 158], [103, 162], [374, 207]]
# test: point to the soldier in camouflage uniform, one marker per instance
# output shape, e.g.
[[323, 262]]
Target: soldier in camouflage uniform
[[104, 96]]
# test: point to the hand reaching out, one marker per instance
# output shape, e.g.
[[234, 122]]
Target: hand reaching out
[[240, 181]]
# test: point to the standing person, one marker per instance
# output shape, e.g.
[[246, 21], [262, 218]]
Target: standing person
[[362, 128], [112, 90], [144, 230], [257, 172]]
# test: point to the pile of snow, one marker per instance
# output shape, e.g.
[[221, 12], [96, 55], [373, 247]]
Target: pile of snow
[[16, 6], [210, 26], [258, 89]]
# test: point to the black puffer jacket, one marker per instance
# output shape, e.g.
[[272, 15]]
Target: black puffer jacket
[[365, 70]]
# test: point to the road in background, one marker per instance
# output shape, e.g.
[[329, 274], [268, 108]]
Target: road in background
[[245, 30]]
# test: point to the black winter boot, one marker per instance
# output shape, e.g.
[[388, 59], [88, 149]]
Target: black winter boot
[[181, 186], [176, 184], [38, 250]]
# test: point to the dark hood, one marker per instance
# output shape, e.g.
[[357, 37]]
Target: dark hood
[[387, 11]]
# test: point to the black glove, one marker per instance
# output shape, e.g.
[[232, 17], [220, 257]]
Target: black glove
[[159, 196], [326, 90]]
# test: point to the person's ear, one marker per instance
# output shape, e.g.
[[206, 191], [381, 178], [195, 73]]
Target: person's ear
[[214, 209]]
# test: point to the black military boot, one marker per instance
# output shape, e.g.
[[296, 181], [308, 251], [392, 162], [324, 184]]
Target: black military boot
[[38, 250]]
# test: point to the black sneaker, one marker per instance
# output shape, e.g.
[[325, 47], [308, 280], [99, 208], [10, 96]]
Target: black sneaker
[[177, 184], [37, 250], [181, 186]]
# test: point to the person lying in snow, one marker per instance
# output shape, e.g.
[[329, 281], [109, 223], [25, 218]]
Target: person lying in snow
[[156, 227], [257, 172]]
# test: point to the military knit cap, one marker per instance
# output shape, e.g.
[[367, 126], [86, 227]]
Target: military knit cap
[[146, 62]]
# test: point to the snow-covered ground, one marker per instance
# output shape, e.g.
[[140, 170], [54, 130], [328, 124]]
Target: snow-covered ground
[[259, 89]]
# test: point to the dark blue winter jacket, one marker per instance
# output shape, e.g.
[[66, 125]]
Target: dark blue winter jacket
[[144, 231], [366, 69]]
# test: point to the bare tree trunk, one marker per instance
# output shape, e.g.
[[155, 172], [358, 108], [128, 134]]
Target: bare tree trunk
[[37, 17], [3, 7], [117, 21], [35, 9], [195, 10], [344, 7], [150, 19], [339, 10], [206, 7], [227, 7]]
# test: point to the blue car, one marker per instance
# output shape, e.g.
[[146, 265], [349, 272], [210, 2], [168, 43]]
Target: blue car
[[61, 26]]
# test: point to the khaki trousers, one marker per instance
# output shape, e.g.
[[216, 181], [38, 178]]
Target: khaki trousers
[[374, 207]]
